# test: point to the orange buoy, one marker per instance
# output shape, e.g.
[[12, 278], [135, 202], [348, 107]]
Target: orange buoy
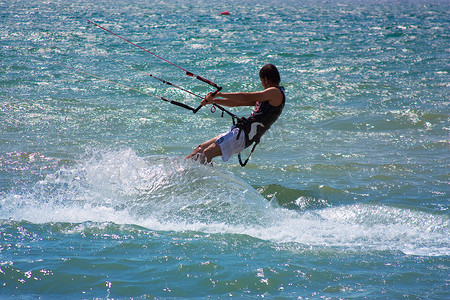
[[225, 13]]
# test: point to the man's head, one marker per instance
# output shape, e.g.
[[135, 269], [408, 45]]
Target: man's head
[[270, 73]]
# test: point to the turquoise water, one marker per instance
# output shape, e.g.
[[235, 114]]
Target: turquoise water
[[347, 196]]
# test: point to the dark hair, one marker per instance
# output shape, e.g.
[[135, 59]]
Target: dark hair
[[270, 72]]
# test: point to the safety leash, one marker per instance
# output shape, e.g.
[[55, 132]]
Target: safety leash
[[148, 51], [203, 79]]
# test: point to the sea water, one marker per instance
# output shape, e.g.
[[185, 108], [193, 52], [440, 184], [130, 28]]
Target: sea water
[[347, 195]]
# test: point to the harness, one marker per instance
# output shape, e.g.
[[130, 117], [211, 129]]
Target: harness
[[254, 127], [243, 164]]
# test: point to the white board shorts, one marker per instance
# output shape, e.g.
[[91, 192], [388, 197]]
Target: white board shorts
[[230, 144]]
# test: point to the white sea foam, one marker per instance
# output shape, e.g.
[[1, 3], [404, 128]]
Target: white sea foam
[[164, 193]]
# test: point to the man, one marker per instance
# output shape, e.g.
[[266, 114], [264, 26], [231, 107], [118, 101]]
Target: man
[[268, 105]]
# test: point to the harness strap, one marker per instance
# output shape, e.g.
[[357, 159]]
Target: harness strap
[[251, 152], [241, 130]]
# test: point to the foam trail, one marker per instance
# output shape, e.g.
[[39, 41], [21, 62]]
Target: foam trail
[[366, 227], [123, 187]]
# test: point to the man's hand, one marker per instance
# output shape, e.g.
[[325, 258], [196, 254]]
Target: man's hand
[[208, 99]]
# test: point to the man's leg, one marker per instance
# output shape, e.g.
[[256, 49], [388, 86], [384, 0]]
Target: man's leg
[[210, 149]]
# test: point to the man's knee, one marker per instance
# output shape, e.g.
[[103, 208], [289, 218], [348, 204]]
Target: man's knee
[[212, 151], [200, 148]]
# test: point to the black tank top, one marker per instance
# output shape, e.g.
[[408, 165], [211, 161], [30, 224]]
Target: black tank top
[[260, 120]]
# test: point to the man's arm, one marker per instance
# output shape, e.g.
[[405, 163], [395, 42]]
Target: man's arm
[[271, 94]]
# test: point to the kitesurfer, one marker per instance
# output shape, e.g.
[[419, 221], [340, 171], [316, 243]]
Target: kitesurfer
[[268, 105]]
